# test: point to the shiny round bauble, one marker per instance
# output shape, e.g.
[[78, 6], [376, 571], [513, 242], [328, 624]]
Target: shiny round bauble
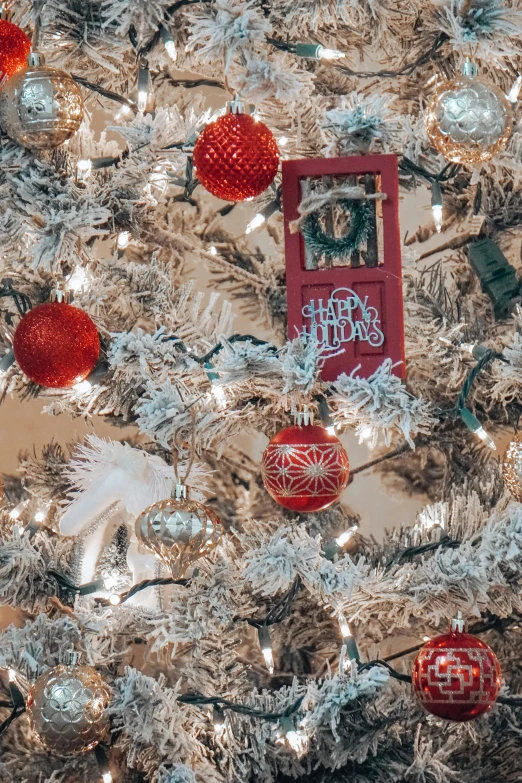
[[179, 531], [40, 107], [305, 468], [456, 676], [14, 48], [236, 158], [56, 345], [512, 467], [67, 709], [468, 121]]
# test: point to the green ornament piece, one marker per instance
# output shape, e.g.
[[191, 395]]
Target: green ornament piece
[[498, 279]]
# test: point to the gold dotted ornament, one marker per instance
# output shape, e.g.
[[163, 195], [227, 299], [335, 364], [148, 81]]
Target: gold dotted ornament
[[512, 467]]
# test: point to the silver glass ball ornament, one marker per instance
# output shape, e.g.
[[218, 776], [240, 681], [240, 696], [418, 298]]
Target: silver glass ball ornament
[[67, 709], [40, 107], [467, 120]]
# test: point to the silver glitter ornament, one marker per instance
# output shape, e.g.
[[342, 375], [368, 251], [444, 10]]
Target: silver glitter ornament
[[467, 120], [178, 530], [67, 709], [40, 107]]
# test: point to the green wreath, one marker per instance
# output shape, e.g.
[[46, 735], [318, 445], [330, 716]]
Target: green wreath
[[340, 248]]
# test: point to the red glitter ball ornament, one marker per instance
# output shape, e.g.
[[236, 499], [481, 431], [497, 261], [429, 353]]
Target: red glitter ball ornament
[[456, 676], [14, 48], [305, 468], [56, 345], [236, 158]]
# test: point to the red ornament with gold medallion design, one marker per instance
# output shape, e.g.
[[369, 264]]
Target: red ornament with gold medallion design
[[456, 676], [305, 468]]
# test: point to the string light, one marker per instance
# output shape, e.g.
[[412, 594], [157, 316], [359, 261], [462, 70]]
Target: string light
[[143, 87], [317, 52], [266, 647], [436, 205], [213, 250], [473, 424], [77, 279], [331, 429], [124, 238], [292, 736], [345, 537], [514, 92], [11, 673], [168, 43], [107, 777], [83, 169], [366, 433], [41, 514], [123, 112], [283, 141], [256, 222], [344, 626], [218, 720], [82, 387], [348, 638], [16, 512], [219, 395], [114, 599]]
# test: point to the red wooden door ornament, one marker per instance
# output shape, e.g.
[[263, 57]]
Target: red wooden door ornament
[[355, 311]]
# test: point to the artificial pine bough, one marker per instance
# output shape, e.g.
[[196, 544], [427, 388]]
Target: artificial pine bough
[[224, 638]]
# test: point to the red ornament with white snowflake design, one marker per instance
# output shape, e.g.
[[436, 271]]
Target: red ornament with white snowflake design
[[305, 468], [236, 158], [456, 676]]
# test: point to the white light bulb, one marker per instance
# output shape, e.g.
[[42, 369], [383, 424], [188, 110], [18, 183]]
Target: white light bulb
[[329, 54], [437, 216], [77, 279], [344, 626], [297, 741], [366, 434], [143, 97], [212, 250], [40, 515], [123, 112], [107, 777], [220, 729], [219, 395], [114, 599], [256, 221], [170, 48], [486, 437], [330, 429], [268, 655], [12, 675], [82, 387], [426, 638], [514, 92], [344, 537], [124, 238], [16, 512], [283, 141], [83, 168]]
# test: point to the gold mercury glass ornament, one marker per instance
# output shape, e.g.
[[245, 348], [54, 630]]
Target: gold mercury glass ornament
[[512, 467], [178, 530], [468, 120], [67, 709], [40, 107]]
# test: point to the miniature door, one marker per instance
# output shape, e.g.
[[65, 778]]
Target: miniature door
[[352, 303]]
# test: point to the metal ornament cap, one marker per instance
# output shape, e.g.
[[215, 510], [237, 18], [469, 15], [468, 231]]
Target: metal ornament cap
[[179, 531], [67, 709], [456, 676], [40, 107], [468, 121]]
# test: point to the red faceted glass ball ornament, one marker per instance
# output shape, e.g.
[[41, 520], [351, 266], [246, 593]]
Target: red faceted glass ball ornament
[[456, 676], [236, 158], [14, 48], [305, 468], [56, 345]]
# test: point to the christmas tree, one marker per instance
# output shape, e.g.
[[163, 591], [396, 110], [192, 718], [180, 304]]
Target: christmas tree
[[197, 604]]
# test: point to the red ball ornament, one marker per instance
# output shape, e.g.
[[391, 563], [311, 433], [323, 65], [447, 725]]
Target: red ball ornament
[[236, 158], [56, 345], [14, 48], [456, 676], [305, 468]]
